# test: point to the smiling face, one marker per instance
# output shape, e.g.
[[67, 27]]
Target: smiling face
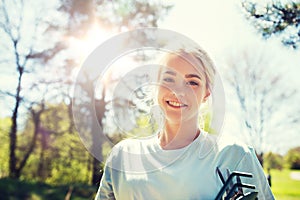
[[182, 89]]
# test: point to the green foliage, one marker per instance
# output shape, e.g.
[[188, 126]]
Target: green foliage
[[292, 158], [205, 118], [59, 155], [68, 172], [273, 161], [207, 123], [65, 155], [145, 127], [70, 162], [5, 124], [276, 18]]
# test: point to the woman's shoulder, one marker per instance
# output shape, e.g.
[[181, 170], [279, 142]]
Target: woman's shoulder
[[229, 152], [233, 151], [222, 144], [231, 144]]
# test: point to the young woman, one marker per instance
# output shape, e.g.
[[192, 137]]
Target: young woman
[[181, 161]]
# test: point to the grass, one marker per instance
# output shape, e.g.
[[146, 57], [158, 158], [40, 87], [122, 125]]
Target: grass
[[13, 189], [283, 187]]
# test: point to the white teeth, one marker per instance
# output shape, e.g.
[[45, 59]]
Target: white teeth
[[174, 103]]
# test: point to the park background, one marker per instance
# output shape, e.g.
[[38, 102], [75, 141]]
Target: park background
[[255, 45]]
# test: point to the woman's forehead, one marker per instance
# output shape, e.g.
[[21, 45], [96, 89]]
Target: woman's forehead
[[182, 65]]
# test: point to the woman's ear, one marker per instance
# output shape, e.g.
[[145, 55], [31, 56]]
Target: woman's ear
[[206, 96]]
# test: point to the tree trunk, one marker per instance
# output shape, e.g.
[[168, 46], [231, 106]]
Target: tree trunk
[[13, 142], [36, 120], [100, 106], [13, 130], [41, 166], [97, 172]]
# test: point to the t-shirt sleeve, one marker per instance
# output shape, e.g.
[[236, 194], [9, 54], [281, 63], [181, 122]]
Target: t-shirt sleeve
[[249, 163], [105, 190]]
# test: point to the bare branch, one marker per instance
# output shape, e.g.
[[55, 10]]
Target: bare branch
[[260, 94], [6, 93], [47, 54]]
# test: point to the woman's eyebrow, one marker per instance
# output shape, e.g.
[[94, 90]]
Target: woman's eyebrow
[[170, 72], [192, 76]]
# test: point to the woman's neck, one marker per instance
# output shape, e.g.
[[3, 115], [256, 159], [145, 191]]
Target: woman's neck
[[176, 136]]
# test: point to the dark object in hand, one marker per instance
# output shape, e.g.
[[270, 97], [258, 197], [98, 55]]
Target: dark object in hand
[[234, 191]]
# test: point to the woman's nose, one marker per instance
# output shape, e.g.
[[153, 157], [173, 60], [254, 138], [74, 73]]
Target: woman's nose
[[180, 89]]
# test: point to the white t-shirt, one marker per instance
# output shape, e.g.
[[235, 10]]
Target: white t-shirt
[[141, 169]]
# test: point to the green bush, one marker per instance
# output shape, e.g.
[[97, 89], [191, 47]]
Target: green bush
[[273, 161], [292, 158]]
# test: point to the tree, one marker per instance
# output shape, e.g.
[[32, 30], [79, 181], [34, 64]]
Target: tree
[[22, 50], [4, 146], [292, 158], [276, 18], [261, 96], [58, 156], [65, 154], [117, 16], [273, 161], [30, 52]]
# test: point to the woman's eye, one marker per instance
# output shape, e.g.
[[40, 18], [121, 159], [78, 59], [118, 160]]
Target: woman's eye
[[193, 83], [169, 80]]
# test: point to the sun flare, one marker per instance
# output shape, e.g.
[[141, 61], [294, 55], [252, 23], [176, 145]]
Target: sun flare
[[82, 47]]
